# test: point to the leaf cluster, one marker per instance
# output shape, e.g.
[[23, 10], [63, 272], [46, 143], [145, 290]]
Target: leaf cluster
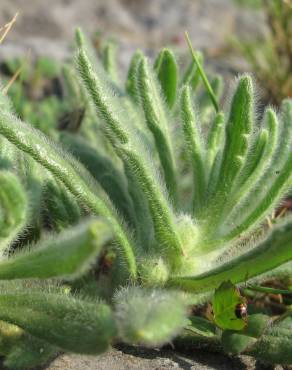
[[112, 225]]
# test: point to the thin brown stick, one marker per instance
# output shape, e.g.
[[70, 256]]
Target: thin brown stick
[[17, 73], [7, 28], [12, 80]]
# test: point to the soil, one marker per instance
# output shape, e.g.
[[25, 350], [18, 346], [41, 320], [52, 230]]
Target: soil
[[131, 358]]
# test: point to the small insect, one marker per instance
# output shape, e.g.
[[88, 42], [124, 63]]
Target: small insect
[[241, 311]]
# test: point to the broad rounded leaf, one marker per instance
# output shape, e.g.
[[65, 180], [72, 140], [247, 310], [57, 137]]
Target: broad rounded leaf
[[226, 299]]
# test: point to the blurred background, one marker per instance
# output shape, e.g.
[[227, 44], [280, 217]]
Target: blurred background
[[46, 27], [234, 36]]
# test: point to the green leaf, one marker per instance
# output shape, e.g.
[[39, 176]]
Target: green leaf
[[13, 208], [29, 352], [61, 320], [104, 171], [191, 75], [108, 56], [71, 173], [68, 254], [97, 85], [149, 317], [21, 350], [237, 342], [167, 72], [267, 255], [131, 147], [225, 301], [61, 209], [274, 346], [131, 83], [194, 148], [273, 185], [201, 326], [238, 131], [202, 74], [47, 67], [157, 121]]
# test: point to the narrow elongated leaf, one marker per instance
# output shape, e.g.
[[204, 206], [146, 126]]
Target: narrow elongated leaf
[[203, 99], [131, 83], [69, 172], [215, 138], [66, 322], [259, 159], [108, 56], [191, 75], [202, 73], [143, 219], [104, 171], [167, 72], [163, 218], [61, 208], [272, 252], [156, 119], [194, 147], [96, 88], [66, 255], [13, 208], [238, 131], [135, 156], [274, 183]]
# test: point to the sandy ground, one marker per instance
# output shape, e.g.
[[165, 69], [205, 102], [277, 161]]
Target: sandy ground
[[128, 358]]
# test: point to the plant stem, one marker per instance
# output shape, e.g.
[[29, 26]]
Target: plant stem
[[202, 73], [268, 290]]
